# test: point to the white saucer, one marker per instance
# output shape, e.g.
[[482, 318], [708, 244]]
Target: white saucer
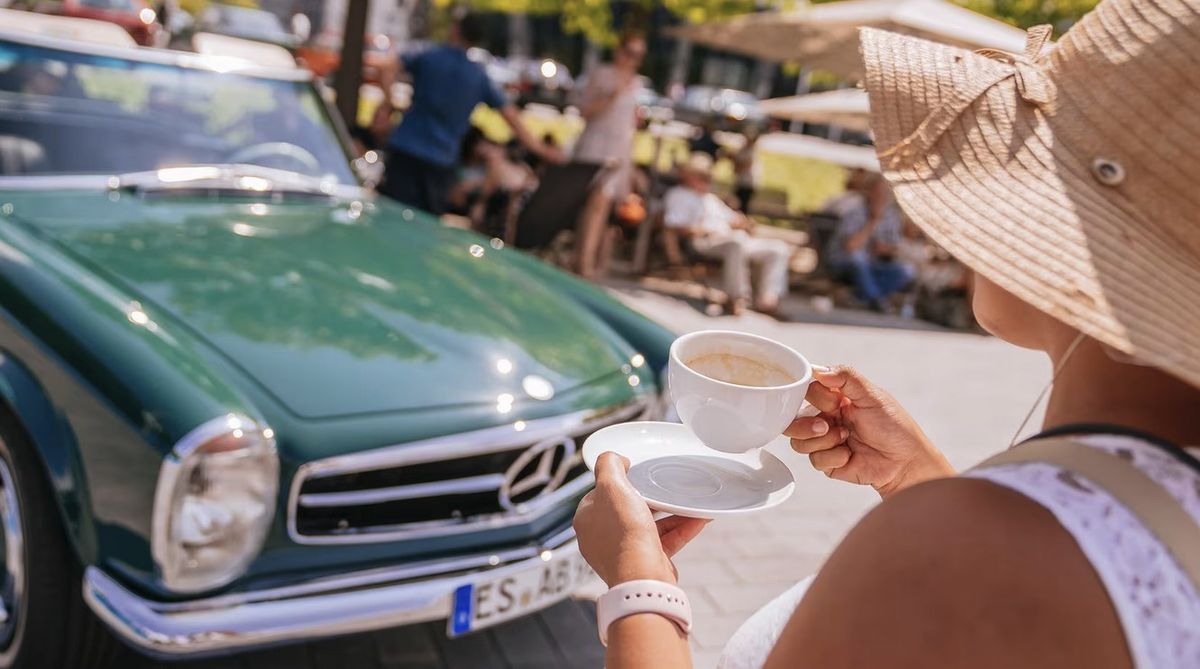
[[674, 472]]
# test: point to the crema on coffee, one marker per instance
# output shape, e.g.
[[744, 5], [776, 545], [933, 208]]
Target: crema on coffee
[[740, 370]]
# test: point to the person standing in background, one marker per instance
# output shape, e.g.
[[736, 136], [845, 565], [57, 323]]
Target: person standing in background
[[609, 105], [705, 140], [743, 169], [423, 151]]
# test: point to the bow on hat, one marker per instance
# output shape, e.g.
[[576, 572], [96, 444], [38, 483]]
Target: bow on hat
[[1025, 69]]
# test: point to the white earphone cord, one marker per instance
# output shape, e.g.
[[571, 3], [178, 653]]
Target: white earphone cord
[[1049, 384]]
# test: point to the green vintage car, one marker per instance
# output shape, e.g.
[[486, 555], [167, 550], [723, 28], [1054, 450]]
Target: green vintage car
[[242, 401]]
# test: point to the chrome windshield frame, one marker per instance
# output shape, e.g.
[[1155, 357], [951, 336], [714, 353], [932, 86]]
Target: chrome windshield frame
[[193, 61], [201, 63]]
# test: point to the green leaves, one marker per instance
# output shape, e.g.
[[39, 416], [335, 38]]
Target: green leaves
[[1026, 13], [594, 18]]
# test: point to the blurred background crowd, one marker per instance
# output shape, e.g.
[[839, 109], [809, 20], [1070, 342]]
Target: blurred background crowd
[[686, 144]]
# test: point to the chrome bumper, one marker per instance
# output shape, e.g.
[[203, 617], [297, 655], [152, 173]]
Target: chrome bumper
[[343, 605]]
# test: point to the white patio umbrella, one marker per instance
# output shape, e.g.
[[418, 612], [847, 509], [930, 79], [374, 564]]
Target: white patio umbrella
[[825, 36], [806, 146], [846, 107]]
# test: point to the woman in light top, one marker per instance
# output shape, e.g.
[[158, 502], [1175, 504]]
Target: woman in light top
[[1064, 176], [609, 105]]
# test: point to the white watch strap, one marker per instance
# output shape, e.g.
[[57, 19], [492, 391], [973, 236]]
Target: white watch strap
[[626, 599]]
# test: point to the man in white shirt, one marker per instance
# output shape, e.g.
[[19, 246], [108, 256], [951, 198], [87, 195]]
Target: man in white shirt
[[715, 230]]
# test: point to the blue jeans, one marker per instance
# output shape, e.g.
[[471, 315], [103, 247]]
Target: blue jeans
[[873, 279]]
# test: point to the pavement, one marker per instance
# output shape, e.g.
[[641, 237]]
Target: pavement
[[970, 392]]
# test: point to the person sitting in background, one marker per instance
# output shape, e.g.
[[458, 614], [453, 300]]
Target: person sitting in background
[[863, 248], [493, 187], [715, 230], [534, 161]]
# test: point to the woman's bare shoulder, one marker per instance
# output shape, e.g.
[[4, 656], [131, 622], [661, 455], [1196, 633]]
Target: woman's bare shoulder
[[953, 573]]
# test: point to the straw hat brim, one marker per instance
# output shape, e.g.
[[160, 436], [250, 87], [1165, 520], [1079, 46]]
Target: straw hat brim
[[1004, 195]]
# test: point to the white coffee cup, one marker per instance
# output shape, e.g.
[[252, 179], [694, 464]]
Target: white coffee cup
[[762, 391]]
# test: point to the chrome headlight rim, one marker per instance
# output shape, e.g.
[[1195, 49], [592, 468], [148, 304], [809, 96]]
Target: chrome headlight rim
[[170, 477]]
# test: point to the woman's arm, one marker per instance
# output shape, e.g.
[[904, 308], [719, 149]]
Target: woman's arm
[[955, 573], [621, 541], [647, 641], [550, 154]]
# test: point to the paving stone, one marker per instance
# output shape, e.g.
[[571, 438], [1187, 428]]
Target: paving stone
[[745, 598], [572, 627], [774, 547], [343, 652], [703, 572], [705, 659], [701, 603], [712, 631], [468, 651], [789, 568], [295, 656], [409, 647], [525, 643]]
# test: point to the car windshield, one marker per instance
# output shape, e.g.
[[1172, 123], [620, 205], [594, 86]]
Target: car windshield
[[63, 112]]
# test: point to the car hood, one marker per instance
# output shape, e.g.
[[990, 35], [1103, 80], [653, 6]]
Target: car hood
[[339, 308]]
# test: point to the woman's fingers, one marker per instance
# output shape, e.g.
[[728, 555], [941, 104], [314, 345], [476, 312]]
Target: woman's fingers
[[807, 427], [676, 531], [844, 379], [822, 397], [611, 468], [830, 459], [833, 437]]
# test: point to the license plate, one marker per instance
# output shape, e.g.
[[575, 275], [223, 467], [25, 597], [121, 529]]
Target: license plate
[[491, 601]]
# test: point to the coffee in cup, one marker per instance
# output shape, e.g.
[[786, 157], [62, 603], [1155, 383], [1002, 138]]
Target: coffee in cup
[[740, 370], [736, 391]]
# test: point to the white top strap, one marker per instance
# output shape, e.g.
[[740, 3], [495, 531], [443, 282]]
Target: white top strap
[[1156, 508]]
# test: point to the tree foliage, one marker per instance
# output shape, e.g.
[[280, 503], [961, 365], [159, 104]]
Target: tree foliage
[[594, 18], [1025, 13], [197, 7]]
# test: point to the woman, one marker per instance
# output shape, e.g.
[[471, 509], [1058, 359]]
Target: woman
[[1040, 172], [609, 105]]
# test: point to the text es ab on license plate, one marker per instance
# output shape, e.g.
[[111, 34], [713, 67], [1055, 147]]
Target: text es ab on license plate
[[491, 601]]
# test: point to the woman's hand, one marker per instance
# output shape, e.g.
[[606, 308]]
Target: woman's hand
[[863, 435], [617, 533]]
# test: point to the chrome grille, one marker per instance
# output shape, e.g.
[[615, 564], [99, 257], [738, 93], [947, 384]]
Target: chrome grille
[[490, 478]]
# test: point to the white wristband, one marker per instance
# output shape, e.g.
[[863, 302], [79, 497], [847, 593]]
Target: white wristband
[[626, 599]]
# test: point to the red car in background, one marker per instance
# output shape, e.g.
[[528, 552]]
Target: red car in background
[[135, 16], [323, 54]]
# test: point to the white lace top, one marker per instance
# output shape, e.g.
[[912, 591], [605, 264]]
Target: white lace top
[[1157, 604]]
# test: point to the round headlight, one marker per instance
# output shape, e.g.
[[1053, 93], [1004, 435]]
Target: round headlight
[[214, 503]]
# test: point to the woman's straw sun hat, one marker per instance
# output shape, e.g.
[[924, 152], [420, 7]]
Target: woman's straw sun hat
[[1069, 175]]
